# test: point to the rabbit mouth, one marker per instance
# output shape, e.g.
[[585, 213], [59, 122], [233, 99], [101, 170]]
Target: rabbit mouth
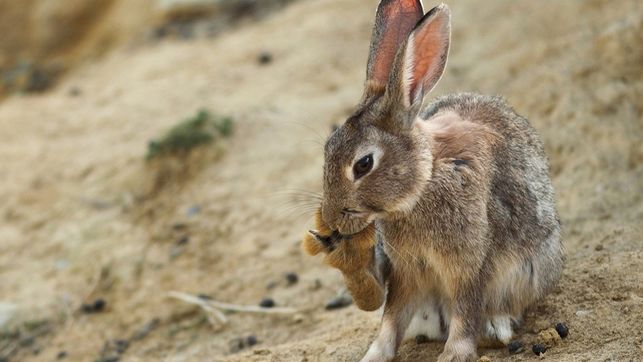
[[353, 223]]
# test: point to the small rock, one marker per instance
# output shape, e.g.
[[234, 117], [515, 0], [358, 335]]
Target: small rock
[[267, 303], [598, 247], [251, 340], [292, 278], [61, 355], [515, 347], [538, 349], [182, 240], [97, 306], [264, 58], [484, 359], [562, 330], [421, 338], [339, 301]]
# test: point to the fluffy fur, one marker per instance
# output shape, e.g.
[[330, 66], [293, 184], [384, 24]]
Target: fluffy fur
[[461, 200]]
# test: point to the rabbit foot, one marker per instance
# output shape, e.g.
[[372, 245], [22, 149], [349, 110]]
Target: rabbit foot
[[499, 328]]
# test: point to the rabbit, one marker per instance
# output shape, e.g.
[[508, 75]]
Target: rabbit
[[458, 192]]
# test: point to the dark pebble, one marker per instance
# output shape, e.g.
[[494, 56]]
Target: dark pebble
[[421, 338], [598, 247], [96, 307], [267, 303], [204, 296], [515, 347], [562, 330], [538, 349], [292, 278], [61, 355], [251, 340], [264, 58], [339, 301]]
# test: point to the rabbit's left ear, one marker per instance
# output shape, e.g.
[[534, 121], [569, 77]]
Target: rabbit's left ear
[[394, 20], [424, 57]]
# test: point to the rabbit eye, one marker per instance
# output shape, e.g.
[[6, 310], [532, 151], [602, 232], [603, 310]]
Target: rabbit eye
[[363, 166]]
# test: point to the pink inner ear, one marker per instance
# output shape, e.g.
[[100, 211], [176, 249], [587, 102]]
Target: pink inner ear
[[394, 22], [428, 47]]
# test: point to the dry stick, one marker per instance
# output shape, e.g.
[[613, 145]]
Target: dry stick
[[214, 306], [201, 303]]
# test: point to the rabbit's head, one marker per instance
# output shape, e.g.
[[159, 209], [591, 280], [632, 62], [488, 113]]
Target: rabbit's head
[[378, 161]]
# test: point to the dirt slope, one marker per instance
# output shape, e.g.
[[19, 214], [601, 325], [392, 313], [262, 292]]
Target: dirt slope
[[80, 217]]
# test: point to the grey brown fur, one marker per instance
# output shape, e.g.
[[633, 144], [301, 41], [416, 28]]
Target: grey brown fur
[[461, 197]]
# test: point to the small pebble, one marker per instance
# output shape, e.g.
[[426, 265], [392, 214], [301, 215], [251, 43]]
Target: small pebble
[[562, 330], [251, 340], [421, 338], [264, 58], [339, 301], [61, 355], [484, 359], [598, 247], [267, 303], [515, 347], [538, 349], [97, 306], [292, 278]]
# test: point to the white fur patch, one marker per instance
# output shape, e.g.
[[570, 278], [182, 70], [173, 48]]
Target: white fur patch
[[499, 327], [426, 321]]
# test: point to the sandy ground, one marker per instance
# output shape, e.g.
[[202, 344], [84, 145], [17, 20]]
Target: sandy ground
[[82, 216]]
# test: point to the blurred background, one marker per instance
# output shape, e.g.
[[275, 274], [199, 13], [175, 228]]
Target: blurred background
[[159, 155]]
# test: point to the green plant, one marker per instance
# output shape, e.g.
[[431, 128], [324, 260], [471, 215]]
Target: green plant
[[201, 129]]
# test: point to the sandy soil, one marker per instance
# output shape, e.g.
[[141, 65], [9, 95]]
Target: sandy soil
[[83, 217]]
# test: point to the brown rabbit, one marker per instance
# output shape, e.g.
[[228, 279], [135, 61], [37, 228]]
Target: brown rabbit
[[458, 192]]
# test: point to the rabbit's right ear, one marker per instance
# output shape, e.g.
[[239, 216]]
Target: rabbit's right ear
[[394, 21]]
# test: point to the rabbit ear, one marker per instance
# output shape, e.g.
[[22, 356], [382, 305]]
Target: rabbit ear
[[394, 21], [425, 56]]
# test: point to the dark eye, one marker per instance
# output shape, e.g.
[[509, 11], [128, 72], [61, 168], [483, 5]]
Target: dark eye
[[363, 166]]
